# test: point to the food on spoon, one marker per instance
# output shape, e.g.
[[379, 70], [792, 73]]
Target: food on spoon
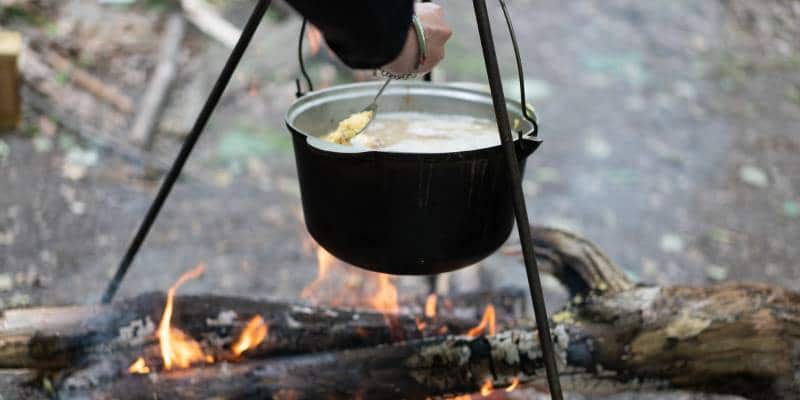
[[350, 127]]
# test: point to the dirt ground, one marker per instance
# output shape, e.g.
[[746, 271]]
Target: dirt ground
[[670, 140]]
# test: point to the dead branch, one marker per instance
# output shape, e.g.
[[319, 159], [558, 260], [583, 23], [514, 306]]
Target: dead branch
[[89, 82], [157, 90], [207, 20]]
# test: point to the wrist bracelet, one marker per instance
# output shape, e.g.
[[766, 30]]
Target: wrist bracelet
[[421, 54], [423, 45]]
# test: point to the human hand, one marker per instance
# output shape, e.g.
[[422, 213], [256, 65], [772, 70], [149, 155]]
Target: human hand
[[437, 32]]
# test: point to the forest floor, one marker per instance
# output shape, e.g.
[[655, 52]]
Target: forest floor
[[669, 127]]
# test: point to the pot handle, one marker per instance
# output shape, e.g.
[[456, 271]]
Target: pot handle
[[527, 110], [302, 63]]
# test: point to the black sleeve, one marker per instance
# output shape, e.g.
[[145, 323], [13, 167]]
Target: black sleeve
[[363, 33]]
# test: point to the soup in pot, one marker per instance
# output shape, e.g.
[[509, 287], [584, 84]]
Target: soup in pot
[[411, 132]]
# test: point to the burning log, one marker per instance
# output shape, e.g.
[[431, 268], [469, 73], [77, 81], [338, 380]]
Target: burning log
[[614, 336], [57, 337]]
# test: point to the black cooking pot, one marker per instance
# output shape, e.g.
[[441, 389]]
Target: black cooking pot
[[404, 213]]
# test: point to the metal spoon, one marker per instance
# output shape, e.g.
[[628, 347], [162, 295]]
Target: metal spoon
[[373, 106]]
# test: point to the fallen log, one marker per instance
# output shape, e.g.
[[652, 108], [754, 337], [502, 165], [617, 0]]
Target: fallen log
[[614, 336]]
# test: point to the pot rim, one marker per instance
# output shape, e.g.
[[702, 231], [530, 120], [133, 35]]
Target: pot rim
[[368, 89]]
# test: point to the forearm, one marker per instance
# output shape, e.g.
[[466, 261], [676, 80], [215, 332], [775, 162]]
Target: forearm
[[363, 33]]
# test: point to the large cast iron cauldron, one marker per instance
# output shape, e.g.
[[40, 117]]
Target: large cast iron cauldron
[[403, 213]]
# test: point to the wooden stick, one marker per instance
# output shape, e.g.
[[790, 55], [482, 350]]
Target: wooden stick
[[203, 16], [155, 95], [84, 79]]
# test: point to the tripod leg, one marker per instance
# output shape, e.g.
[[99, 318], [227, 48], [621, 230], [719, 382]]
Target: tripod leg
[[504, 127], [186, 149]]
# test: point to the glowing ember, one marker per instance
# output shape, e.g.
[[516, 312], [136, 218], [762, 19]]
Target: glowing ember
[[177, 348], [139, 367], [385, 300], [314, 39], [420, 324], [254, 333], [513, 385], [430, 306], [487, 320], [487, 388]]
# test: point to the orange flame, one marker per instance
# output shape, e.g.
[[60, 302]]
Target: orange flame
[[487, 320], [314, 39], [513, 385], [177, 347], [385, 300], [487, 388], [430, 306], [254, 333], [324, 262], [139, 367]]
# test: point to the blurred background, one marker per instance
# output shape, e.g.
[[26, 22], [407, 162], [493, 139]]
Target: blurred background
[[670, 140]]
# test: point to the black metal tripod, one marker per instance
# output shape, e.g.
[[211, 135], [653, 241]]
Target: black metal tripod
[[504, 127]]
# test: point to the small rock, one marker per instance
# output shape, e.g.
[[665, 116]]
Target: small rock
[[716, 273], [671, 243], [753, 176], [6, 283]]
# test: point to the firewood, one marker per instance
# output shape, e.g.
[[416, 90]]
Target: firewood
[[614, 336], [57, 337], [724, 339], [10, 109]]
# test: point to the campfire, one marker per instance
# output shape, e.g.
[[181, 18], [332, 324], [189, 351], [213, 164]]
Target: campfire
[[179, 350], [364, 290], [474, 345]]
